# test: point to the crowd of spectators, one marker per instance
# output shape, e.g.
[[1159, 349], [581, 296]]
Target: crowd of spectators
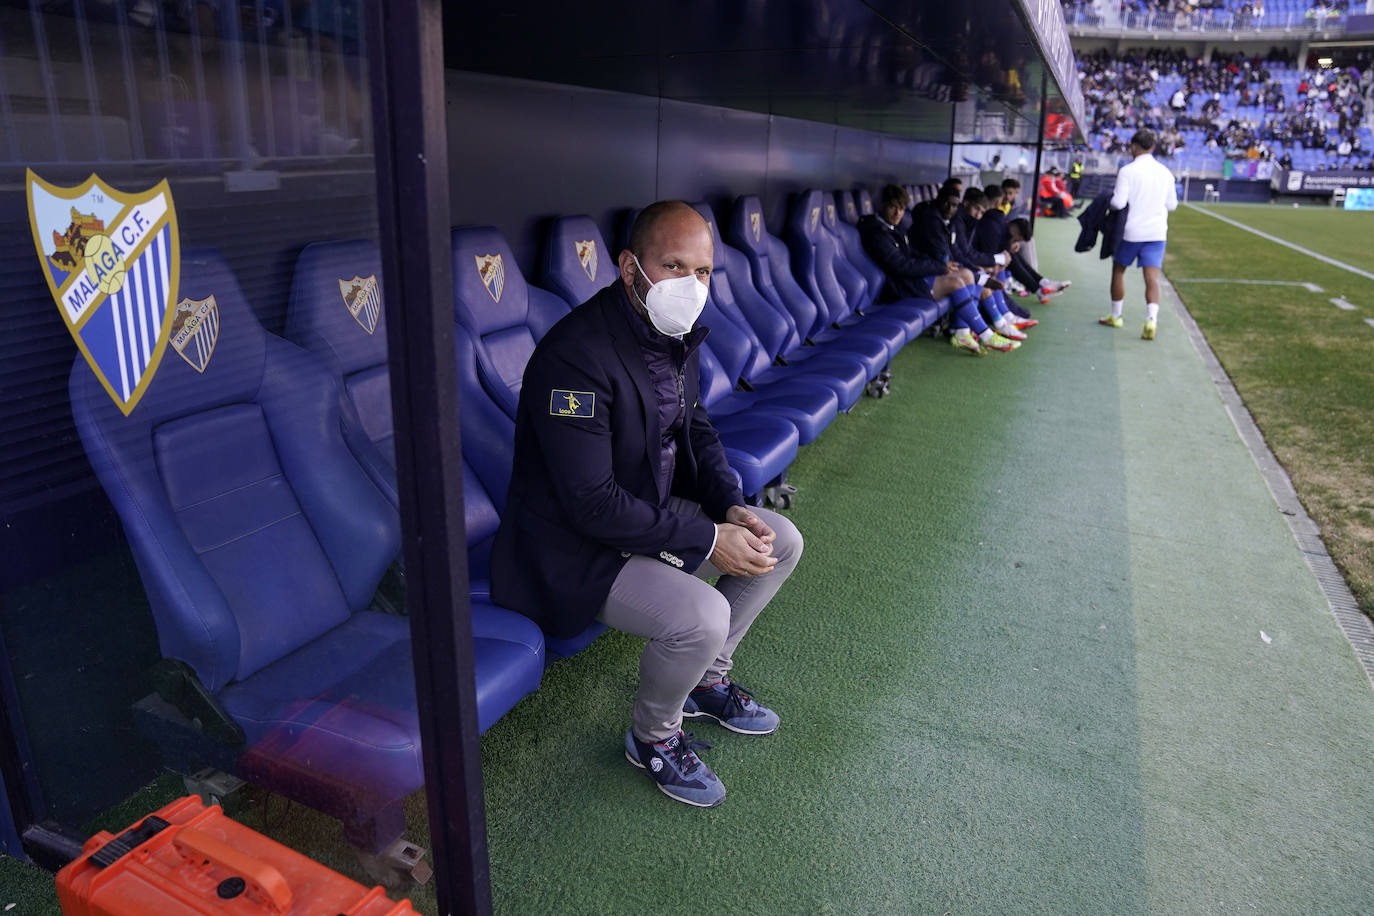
[[1205, 14], [1244, 107]]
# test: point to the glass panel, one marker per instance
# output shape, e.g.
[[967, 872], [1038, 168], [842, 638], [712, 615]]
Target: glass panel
[[203, 583]]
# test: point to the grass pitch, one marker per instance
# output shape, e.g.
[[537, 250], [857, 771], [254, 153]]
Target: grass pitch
[[1303, 365]]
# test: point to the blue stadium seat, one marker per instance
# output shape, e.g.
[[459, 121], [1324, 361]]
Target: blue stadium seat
[[758, 445], [488, 455], [915, 314], [575, 262], [504, 315], [770, 265], [830, 280], [808, 403], [849, 209], [261, 541], [332, 281], [766, 331], [864, 200]]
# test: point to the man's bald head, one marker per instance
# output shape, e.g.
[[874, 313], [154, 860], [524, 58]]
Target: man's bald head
[[670, 217], [669, 239]]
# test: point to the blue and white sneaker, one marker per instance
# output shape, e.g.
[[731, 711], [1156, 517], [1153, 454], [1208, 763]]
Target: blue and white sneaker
[[732, 706], [678, 771]]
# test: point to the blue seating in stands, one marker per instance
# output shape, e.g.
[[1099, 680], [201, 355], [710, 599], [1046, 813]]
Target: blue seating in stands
[[769, 263], [575, 262], [829, 280], [915, 314], [504, 314], [261, 541]]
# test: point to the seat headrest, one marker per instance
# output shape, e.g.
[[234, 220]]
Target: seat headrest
[[215, 352], [705, 211], [747, 229], [848, 212], [577, 262], [489, 291], [336, 308], [805, 214], [865, 202], [829, 215]]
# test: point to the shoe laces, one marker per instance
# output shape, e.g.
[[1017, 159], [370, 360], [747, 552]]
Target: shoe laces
[[682, 754]]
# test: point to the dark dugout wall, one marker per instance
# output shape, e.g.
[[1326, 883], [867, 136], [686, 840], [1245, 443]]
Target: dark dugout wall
[[522, 151]]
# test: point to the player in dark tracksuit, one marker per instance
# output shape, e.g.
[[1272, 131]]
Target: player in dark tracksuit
[[922, 274]]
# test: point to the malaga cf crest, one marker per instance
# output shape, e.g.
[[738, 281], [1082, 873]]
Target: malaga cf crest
[[830, 214], [195, 328], [754, 224], [586, 253], [363, 299], [493, 273], [815, 218], [112, 261]]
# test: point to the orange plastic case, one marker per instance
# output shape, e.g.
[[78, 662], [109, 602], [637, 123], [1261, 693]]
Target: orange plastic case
[[190, 859]]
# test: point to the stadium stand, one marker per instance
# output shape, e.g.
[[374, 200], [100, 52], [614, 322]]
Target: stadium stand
[[1230, 107]]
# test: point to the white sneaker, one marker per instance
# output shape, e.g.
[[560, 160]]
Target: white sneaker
[[1010, 331]]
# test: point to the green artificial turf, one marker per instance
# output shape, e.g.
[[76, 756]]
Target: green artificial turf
[[1020, 670]]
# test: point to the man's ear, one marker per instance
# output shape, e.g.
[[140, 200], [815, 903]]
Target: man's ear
[[626, 261]]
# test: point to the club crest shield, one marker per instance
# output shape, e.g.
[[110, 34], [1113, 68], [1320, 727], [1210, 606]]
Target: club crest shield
[[830, 214], [363, 300], [586, 254], [815, 218], [113, 262], [493, 273], [195, 328], [755, 225]]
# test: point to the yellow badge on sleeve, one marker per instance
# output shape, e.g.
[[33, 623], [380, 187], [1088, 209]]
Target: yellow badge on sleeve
[[564, 403]]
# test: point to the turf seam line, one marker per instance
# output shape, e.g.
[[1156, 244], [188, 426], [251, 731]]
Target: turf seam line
[[1354, 623], [1274, 238]]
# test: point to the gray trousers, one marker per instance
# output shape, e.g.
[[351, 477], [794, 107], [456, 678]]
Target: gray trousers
[[692, 628]]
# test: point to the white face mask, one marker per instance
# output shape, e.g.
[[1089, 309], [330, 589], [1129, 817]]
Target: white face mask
[[673, 304]]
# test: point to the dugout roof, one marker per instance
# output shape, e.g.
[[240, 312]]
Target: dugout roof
[[892, 66]]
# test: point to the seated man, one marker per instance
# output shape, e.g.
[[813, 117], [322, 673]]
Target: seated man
[[611, 520], [915, 274], [994, 234], [995, 308], [933, 235]]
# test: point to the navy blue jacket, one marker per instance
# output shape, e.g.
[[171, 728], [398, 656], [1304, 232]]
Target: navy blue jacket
[[930, 235], [1101, 218], [992, 233], [906, 270], [964, 250], [584, 492]]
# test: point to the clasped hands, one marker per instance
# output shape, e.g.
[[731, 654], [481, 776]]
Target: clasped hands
[[744, 544]]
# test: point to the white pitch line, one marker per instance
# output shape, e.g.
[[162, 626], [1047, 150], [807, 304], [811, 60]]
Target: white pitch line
[[1310, 287], [1274, 238], [1370, 322], [1343, 305]]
